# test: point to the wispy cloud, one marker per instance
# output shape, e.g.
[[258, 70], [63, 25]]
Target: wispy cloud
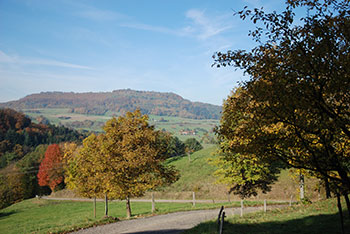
[[12, 59], [99, 15], [204, 26], [90, 12], [152, 28], [4, 58], [201, 26]]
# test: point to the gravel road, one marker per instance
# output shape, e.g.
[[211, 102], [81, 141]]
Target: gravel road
[[164, 224]]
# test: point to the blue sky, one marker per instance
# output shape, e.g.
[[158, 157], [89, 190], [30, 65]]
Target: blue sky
[[97, 46]]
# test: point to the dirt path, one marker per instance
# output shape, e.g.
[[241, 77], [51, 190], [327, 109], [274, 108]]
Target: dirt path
[[164, 224]]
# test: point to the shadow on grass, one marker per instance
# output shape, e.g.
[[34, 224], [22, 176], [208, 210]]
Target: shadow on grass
[[175, 158], [169, 231], [311, 224], [5, 214]]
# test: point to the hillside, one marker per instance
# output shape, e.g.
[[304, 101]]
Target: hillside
[[119, 101], [197, 175]]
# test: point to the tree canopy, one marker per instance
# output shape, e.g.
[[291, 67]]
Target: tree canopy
[[192, 145], [124, 162], [51, 168], [295, 108]]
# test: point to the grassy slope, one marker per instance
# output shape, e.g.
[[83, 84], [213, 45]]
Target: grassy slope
[[319, 217], [197, 175]]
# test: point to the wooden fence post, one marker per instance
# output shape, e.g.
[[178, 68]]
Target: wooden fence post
[[95, 207], [194, 199], [153, 203], [265, 205], [301, 186], [241, 208], [290, 201]]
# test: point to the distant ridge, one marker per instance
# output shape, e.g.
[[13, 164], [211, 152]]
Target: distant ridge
[[149, 102]]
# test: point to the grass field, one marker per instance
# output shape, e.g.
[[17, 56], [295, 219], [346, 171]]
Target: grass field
[[48, 216], [319, 217]]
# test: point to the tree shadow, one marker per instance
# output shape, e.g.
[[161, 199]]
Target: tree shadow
[[311, 224], [175, 158], [5, 214], [169, 231]]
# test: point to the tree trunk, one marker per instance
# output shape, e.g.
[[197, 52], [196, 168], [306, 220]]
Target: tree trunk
[[340, 213], [347, 203], [106, 205], [128, 208], [301, 186], [327, 188]]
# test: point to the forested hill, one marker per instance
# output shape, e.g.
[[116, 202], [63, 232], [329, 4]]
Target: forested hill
[[156, 103], [19, 135]]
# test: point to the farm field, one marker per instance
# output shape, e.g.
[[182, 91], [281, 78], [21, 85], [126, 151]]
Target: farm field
[[181, 127], [319, 217]]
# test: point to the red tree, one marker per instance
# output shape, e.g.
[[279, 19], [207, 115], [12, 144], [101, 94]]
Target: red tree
[[50, 170]]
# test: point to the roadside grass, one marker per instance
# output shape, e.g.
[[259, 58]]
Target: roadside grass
[[50, 216], [319, 217]]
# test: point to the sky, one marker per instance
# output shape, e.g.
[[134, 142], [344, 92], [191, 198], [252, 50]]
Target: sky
[[101, 46]]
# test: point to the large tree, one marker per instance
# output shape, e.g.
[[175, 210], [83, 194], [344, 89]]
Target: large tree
[[296, 105], [135, 153], [124, 162]]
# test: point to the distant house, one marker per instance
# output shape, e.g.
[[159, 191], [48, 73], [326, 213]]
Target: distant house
[[188, 132]]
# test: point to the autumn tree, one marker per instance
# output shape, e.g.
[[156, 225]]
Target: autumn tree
[[124, 162], [135, 154], [11, 186], [51, 169], [84, 168], [295, 107]]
